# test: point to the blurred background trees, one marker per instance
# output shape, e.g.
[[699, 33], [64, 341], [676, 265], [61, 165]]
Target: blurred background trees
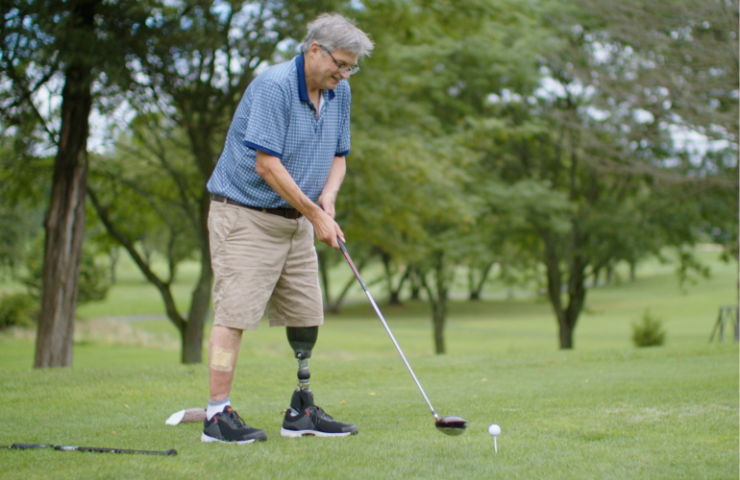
[[548, 140]]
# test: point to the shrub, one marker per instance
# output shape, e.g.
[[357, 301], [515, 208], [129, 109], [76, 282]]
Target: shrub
[[18, 309], [649, 333]]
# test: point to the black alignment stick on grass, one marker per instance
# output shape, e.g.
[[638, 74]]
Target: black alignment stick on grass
[[72, 448]]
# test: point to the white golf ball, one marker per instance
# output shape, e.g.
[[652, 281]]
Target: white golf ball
[[494, 430]]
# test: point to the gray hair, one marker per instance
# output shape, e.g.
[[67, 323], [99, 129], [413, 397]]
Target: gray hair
[[337, 32]]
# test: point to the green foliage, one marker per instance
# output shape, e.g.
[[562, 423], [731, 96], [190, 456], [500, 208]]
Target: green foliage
[[18, 309], [459, 151], [16, 231], [150, 188], [650, 332], [23, 189], [409, 191], [93, 282]]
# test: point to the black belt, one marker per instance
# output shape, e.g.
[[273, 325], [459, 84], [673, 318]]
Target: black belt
[[283, 212]]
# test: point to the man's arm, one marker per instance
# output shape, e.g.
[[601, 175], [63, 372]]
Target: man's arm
[[274, 173], [331, 189]]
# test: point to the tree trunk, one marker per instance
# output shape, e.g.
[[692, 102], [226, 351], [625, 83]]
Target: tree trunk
[[476, 288], [395, 296], [438, 301], [439, 314], [394, 291], [414, 277], [65, 218], [576, 300], [554, 286], [566, 333], [474, 292], [567, 317]]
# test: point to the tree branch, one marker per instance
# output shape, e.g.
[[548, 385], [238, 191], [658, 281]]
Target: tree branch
[[163, 287]]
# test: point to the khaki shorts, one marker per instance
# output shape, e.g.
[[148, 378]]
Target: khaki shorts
[[263, 263]]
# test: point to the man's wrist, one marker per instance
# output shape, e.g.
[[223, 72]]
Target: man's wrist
[[327, 198], [313, 211]]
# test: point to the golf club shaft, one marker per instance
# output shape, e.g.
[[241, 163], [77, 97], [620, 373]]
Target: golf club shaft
[[71, 448], [385, 324]]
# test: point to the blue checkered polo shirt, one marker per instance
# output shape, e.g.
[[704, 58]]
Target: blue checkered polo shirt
[[276, 116]]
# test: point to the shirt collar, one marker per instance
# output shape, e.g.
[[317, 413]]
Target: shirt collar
[[302, 88]]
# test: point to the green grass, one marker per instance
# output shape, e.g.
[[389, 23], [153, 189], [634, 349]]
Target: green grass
[[606, 410], [663, 413]]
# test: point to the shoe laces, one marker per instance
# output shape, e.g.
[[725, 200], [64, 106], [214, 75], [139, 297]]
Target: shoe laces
[[233, 419], [319, 412]]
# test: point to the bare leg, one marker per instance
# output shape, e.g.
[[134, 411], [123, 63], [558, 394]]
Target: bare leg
[[223, 350]]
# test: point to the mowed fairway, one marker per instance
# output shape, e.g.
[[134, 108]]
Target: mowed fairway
[[606, 410]]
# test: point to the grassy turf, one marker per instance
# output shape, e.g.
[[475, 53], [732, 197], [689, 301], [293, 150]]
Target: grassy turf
[[606, 410], [657, 413]]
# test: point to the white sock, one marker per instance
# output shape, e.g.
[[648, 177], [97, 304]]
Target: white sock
[[216, 407]]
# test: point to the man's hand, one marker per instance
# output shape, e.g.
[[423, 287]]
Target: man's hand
[[326, 229], [326, 202]]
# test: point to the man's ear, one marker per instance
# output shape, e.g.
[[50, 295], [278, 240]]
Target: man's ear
[[314, 49]]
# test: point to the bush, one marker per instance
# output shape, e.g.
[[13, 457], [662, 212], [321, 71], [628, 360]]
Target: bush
[[649, 333], [18, 309]]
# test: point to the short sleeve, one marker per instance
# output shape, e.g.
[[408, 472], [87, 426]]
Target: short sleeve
[[268, 118], [343, 145]]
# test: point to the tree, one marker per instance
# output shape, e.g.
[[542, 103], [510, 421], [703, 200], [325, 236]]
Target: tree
[[584, 135], [433, 68], [677, 64], [60, 48], [139, 196]]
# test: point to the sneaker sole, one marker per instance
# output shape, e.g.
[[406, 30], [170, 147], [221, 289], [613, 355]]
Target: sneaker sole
[[208, 439], [312, 433]]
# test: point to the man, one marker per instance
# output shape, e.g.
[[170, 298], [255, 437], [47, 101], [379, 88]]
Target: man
[[273, 188]]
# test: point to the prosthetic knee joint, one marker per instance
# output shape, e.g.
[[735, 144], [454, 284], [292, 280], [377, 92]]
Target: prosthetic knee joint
[[302, 340]]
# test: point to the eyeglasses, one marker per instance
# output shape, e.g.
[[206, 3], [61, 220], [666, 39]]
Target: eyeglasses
[[352, 69]]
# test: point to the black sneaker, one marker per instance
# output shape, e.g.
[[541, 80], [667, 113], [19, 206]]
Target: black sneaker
[[305, 418], [228, 427]]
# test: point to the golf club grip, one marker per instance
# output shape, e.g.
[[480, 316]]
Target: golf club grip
[[28, 446], [341, 245]]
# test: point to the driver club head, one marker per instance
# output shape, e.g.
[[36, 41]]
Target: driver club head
[[451, 425]]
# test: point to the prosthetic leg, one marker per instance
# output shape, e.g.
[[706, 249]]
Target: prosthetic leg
[[302, 340], [304, 417]]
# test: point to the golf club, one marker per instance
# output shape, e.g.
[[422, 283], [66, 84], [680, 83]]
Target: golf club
[[70, 448], [448, 425]]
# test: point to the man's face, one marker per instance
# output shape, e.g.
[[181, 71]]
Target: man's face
[[331, 67]]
